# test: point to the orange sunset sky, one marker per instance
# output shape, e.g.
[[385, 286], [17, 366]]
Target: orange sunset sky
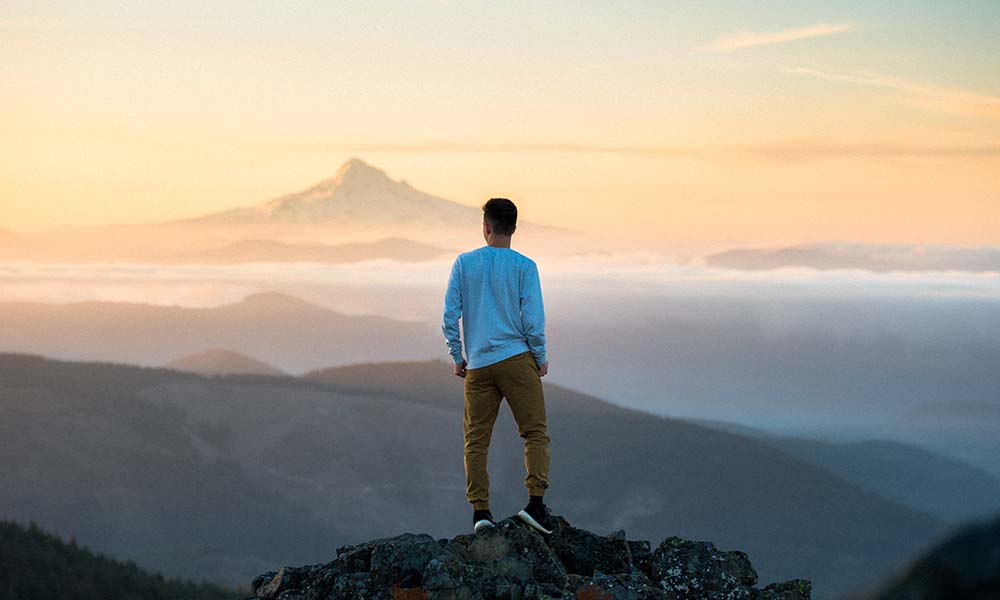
[[722, 121]]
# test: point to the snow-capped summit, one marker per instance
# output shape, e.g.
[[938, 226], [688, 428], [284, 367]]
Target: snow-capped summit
[[355, 173], [358, 192], [359, 213]]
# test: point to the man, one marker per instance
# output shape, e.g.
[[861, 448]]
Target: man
[[496, 292]]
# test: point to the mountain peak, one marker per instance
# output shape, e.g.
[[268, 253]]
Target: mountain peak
[[359, 192], [356, 172], [355, 164]]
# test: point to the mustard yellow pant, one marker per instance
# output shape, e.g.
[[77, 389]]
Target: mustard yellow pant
[[517, 379]]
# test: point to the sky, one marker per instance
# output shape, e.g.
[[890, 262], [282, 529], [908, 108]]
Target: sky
[[723, 121]]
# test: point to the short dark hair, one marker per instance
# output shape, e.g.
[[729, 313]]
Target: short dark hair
[[501, 214]]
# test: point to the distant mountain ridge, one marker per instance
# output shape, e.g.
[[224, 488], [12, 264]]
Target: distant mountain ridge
[[950, 489], [284, 331], [219, 361]]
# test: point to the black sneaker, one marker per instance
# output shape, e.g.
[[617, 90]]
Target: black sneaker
[[537, 515], [482, 519]]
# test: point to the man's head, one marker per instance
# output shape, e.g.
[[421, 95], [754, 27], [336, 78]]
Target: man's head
[[499, 217]]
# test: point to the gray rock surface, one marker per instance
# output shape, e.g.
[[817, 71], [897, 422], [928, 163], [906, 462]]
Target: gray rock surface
[[514, 562]]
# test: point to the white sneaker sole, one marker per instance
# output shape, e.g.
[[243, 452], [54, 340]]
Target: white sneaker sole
[[527, 519], [481, 525]]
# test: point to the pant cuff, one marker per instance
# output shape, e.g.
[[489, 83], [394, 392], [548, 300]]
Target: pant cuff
[[536, 491], [480, 506]]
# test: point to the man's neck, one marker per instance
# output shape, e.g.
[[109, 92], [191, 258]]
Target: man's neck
[[499, 242]]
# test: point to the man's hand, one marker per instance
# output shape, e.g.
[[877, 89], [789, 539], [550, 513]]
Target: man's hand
[[460, 369], [543, 369]]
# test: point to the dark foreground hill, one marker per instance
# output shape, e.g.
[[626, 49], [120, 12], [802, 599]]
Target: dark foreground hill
[[965, 566], [36, 565], [514, 562], [219, 478]]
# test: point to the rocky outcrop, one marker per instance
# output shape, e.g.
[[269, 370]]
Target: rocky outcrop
[[514, 562]]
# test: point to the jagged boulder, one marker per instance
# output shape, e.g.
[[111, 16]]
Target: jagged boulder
[[514, 562]]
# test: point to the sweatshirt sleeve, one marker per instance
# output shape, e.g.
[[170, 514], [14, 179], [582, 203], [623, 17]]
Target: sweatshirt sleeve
[[452, 313], [533, 312]]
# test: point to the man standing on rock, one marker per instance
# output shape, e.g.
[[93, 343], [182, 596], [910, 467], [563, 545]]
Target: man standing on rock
[[497, 294]]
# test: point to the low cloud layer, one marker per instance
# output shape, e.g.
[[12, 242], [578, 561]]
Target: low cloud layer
[[870, 257]]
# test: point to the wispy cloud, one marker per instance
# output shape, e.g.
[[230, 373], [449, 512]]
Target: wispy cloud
[[780, 150], [747, 39], [790, 150], [927, 95]]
